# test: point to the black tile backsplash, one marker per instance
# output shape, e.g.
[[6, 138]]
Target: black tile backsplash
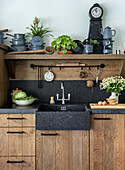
[[78, 90]]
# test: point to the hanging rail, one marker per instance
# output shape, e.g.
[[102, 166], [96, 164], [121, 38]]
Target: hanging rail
[[50, 66]]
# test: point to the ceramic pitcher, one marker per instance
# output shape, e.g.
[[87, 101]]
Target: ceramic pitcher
[[108, 33]]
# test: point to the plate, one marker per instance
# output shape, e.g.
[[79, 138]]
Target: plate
[[23, 102], [49, 76]]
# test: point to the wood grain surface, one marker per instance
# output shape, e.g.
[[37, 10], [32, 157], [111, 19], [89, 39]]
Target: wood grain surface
[[24, 72], [65, 57], [108, 106], [107, 142], [69, 150]]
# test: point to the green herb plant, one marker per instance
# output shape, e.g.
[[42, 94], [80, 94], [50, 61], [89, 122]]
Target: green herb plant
[[63, 43], [93, 42], [37, 30]]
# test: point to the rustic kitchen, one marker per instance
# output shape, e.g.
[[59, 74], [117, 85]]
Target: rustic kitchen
[[62, 85]]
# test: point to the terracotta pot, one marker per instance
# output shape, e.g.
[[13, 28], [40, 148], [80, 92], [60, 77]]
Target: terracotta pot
[[68, 52]]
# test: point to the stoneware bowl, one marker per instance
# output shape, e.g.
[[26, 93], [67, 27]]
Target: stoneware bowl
[[23, 102]]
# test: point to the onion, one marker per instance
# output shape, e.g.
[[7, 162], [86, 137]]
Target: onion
[[100, 103], [104, 103]]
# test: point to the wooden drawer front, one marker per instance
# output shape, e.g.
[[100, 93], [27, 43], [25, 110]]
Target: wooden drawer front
[[21, 141], [3, 120], [29, 120], [17, 163], [3, 142], [15, 120]]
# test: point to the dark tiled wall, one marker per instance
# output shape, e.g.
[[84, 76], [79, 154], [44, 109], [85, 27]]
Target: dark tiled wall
[[78, 90]]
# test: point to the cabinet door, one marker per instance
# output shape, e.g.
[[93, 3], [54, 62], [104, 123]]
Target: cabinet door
[[17, 163], [107, 142], [62, 150], [45, 150], [4, 142], [79, 150]]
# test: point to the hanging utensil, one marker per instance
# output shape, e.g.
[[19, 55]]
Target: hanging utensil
[[5, 30], [49, 76], [38, 77], [89, 73], [97, 76]]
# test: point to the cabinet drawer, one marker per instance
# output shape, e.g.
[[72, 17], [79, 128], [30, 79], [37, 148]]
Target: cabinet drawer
[[3, 120], [17, 141], [15, 120], [19, 120], [29, 120], [17, 163]]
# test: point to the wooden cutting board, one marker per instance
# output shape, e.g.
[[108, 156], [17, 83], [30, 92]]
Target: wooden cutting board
[[108, 106]]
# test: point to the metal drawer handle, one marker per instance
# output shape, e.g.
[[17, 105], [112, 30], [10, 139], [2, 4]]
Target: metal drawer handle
[[51, 134], [15, 162], [98, 118], [16, 132], [18, 118]]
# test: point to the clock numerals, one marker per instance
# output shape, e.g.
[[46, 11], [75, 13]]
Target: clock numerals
[[96, 12]]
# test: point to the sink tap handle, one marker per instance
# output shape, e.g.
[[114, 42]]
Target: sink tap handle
[[57, 96], [69, 96]]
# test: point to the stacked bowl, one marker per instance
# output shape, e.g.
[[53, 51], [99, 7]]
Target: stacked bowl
[[18, 42], [2, 38]]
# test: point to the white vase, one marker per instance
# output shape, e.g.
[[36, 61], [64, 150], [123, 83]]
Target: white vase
[[113, 95]]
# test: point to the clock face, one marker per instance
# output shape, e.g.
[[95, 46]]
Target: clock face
[[96, 12]]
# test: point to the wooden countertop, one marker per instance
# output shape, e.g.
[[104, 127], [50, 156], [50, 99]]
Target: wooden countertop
[[96, 106]]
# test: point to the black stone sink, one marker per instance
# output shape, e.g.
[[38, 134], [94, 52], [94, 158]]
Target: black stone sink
[[62, 107], [63, 117]]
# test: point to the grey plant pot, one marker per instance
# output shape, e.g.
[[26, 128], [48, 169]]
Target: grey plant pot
[[88, 48]]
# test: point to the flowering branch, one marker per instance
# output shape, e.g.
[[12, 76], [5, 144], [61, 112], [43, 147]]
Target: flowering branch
[[113, 84]]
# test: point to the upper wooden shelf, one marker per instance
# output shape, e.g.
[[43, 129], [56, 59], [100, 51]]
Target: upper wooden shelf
[[64, 57], [4, 47]]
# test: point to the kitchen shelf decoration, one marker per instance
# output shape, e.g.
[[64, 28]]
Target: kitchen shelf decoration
[[60, 66]]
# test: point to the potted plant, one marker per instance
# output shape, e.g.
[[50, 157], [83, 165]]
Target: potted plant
[[64, 44], [37, 32], [114, 85], [88, 45]]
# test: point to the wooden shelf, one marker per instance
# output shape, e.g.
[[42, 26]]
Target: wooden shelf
[[114, 65], [64, 57], [4, 47]]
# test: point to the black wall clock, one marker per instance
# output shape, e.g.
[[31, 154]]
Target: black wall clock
[[95, 30]]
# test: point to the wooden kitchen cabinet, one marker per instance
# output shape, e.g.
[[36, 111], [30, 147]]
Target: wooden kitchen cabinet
[[107, 142], [17, 163], [62, 150], [17, 141]]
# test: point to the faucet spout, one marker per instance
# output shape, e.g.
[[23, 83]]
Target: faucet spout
[[63, 94]]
